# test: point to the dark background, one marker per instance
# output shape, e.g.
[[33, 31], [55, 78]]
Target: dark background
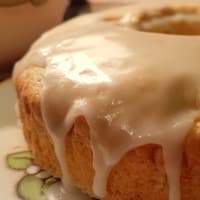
[[76, 7]]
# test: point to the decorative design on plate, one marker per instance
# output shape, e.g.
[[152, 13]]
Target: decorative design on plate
[[19, 161], [36, 182], [18, 2]]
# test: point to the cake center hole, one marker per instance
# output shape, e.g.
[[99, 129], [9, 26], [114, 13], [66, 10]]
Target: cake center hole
[[170, 21]]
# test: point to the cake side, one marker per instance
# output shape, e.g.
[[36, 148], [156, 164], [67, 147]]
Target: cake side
[[28, 86], [190, 174]]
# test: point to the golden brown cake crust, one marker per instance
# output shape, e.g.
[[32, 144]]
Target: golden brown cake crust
[[139, 175]]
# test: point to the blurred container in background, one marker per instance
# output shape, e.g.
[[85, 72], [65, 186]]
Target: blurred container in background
[[22, 22]]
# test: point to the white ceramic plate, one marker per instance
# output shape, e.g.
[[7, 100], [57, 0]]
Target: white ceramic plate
[[20, 178], [11, 140]]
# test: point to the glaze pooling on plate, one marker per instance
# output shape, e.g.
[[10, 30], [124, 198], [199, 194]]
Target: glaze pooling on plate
[[133, 88]]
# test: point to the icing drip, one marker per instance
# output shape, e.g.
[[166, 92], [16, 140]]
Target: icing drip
[[133, 88]]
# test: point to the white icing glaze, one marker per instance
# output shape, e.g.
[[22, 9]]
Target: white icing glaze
[[133, 88]]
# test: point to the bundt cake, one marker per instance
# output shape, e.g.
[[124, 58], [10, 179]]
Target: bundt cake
[[110, 101]]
